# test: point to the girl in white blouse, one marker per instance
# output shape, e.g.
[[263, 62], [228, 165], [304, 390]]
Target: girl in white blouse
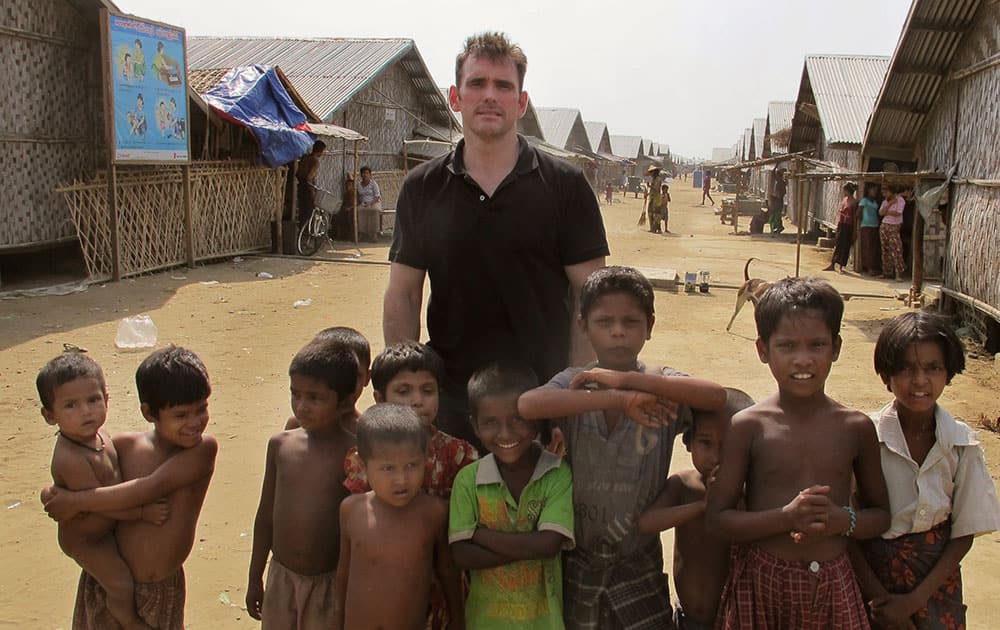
[[940, 493]]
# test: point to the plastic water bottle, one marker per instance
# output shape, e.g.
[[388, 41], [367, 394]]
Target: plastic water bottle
[[137, 331]]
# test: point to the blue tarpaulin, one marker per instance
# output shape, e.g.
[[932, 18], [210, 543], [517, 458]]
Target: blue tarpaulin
[[253, 96]]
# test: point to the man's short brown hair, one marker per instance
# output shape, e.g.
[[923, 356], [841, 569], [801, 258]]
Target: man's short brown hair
[[495, 47]]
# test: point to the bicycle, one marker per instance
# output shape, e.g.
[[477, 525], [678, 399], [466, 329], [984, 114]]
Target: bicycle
[[317, 229]]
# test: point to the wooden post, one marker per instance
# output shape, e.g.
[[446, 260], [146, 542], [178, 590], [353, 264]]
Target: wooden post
[[736, 202], [406, 159], [188, 216], [798, 217], [109, 134], [917, 253], [354, 200]]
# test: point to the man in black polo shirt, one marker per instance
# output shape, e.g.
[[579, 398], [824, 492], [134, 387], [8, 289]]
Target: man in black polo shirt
[[507, 235]]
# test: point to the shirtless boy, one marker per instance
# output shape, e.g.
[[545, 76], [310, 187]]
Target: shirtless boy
[[175, 460], [296, 520], [795, 453], [701, 560], [74, 397], [394, 537], [350, 338]]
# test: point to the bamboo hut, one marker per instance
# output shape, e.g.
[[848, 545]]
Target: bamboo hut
[[836, 96], [937, 110], [758, 175], [563, 127], [630, 148], [55, 126], [381, 88], [609, 166]]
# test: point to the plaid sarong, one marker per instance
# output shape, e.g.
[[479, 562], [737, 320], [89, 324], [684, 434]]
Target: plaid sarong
[[632, 594], [764, 591], [160, 604], [902, 563]]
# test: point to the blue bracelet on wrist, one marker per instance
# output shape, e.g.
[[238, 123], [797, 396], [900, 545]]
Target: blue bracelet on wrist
[[854, 520]]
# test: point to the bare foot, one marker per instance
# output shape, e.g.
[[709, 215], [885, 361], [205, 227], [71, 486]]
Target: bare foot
[[828, 267]]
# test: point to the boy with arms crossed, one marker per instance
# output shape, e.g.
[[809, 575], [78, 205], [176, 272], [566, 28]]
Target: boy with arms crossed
[[74, 397], [511, 512], [303, 486], [175, 461], [392, 538], [614, 577], [795, 453], [701, 560]]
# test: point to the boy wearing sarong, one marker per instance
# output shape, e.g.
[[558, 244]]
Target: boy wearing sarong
[[174, 460], [793, 454]]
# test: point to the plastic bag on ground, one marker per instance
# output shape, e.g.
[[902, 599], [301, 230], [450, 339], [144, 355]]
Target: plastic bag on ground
[[137, 331]]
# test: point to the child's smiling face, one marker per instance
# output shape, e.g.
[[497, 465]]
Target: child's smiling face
[[800, 353], [502, 430], [922, 379]]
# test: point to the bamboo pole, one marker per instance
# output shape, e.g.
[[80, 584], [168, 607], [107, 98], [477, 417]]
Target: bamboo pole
[[917, 254], [109, 132], [188, 216], [968, 300], [798, 217], [354, 200]]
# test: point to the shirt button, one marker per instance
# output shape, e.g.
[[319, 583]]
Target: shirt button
[[482, 197], [923, 511]]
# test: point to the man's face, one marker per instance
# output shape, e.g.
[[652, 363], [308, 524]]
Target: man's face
[[488, 97]]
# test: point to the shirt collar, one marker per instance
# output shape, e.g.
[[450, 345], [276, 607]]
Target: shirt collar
[[527, 159], [488, 472], [948, 432]]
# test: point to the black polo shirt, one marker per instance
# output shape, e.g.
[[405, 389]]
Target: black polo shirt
[[496, 264]]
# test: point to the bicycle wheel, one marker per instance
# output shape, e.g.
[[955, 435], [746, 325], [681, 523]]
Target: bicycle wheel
[[308, 243]]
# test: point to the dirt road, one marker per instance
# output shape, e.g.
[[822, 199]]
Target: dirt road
[[246, 330]]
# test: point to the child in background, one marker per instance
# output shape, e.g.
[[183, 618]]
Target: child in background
[[392, 538], [511, 512], [74, 397], [614, 576], [349, 338], [174, 461], [793, 454], [665, 208], [940, 493], [297, 521], [701, 560], [410, 373]]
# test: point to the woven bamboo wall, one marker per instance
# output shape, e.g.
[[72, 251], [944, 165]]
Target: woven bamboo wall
[[972, 262], [50, 122], [232, 206], [391, 91]]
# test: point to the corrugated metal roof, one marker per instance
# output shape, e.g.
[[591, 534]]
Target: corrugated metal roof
[[596, 132], [626, 146], [326, 72], [931, 37], [758, 136], [557, 124], [843, 89], [721, 154], [779, 119]]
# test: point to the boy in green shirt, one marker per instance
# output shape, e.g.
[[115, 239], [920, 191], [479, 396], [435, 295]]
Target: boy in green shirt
[[511, 512]]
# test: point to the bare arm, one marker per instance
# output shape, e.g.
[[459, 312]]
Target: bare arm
[[263, 531], [179, 471], [449, 576], [536, 545], [667, 512], [546, 403], [580, 352], [401, 304], [469, 555], [873, 498], [693, 392], [343, 567]]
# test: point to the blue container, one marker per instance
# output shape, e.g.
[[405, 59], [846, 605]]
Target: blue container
[[696, 179]]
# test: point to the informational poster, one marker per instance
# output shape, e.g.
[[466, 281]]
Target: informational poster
[[148, 91]]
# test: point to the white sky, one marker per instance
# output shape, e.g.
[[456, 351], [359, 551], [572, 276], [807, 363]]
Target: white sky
[[689, 74]]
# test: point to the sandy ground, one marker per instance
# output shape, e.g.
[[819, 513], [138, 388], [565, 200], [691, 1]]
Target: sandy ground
[[246, 330]]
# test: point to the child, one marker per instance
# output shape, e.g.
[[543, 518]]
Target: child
[[349, 338], [614, 577], [511, 512], [409, 373], [302, 490], [74, 397], [701, 561], [609, 192], [665, 208], [940, 492], [392, 538], [794, 453], [175, 461]]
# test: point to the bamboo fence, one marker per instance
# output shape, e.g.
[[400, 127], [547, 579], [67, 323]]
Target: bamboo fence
[[232, 206]]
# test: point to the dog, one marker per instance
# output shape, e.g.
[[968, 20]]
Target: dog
[[750, 291]]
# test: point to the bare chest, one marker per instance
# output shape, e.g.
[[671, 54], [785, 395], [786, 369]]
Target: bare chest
[[784, 461]]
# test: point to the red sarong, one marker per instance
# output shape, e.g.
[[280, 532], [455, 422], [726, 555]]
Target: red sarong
[[902, 563], [766, 592], [160, 604]]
